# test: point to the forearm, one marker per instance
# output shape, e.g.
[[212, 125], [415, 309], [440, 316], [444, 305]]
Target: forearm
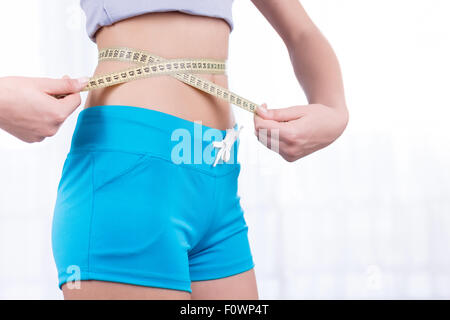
[[317, 69], [304, 129]]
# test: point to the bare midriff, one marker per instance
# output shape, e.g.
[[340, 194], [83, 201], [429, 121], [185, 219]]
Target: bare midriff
[[168, 35]]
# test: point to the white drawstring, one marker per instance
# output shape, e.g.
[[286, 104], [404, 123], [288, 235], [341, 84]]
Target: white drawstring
[[225, 145]]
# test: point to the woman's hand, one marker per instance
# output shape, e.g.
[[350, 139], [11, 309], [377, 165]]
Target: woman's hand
[[302, 129], [29, 110]]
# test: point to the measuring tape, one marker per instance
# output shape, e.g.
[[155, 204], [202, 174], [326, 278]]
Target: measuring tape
[[150, 65]]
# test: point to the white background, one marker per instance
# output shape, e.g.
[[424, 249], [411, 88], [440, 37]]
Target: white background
[[367, 217]]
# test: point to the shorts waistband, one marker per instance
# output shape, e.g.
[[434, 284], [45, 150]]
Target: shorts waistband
[[146, 131]]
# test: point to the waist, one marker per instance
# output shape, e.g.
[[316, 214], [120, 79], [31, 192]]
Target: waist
[[169, 35], [153, 133]]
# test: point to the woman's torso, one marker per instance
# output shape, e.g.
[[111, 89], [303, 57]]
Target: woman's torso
[[169, 35]]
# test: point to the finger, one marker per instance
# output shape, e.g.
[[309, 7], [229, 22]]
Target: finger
[[261, 123], [287, 132], [268, 128], [284, 149], [69, 104], [284, 114], [60, 96], [272, 142], [262, 110], [279, 147], [65, 85]]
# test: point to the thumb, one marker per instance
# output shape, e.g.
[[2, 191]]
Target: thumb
[[65, 85], [70, 103], [282, 115]]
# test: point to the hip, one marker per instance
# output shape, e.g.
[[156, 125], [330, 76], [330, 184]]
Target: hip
[[168, 95]]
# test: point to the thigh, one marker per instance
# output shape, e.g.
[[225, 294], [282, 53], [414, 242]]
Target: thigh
[[116, 228], [240, 286], [103, 290]]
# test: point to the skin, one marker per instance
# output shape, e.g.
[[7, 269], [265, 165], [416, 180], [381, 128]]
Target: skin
[[169, 35], [28, 109], [237, 287], [302, 129], [31, 113]]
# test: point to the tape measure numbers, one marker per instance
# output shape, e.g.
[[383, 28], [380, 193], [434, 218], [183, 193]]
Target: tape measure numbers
[[150, 65]]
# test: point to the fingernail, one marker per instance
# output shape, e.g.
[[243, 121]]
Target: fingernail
[[83, 81], [262, 109]]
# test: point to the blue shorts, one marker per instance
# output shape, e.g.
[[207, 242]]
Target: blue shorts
[[139, 202]]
